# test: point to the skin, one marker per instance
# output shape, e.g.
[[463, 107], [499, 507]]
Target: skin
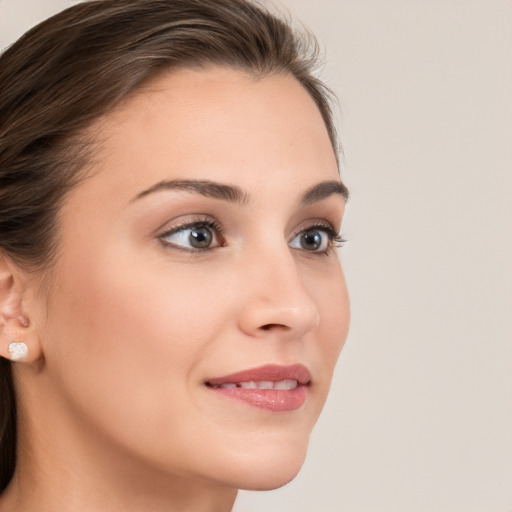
[[114, 411]]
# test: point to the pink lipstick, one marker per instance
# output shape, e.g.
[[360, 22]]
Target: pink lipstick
[[272, 387]]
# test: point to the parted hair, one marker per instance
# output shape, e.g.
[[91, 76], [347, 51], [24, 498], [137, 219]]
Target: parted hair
[[73, 68]]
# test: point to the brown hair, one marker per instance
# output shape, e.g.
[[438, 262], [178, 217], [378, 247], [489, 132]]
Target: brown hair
[[73, 68]]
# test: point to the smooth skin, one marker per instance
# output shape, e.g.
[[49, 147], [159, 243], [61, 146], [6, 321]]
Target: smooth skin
[[143, 309]]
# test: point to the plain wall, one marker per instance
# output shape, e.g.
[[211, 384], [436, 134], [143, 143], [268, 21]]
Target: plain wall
[[420, 414]]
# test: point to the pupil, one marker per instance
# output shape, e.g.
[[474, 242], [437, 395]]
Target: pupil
[[311, 240], [200, 237]]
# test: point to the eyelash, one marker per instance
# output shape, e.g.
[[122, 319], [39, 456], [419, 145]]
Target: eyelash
[[200, 222], [335, 239]]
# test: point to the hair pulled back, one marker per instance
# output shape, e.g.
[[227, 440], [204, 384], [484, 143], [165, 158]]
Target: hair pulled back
[[72, 69]]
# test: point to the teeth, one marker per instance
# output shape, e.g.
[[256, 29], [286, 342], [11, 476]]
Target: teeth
[[248, 385], [265, 384], [286, 384]]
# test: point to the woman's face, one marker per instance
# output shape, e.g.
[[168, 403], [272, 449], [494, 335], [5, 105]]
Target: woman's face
[[196, 261]]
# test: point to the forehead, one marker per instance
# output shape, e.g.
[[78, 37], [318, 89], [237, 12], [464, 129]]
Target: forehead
[[216, 124]]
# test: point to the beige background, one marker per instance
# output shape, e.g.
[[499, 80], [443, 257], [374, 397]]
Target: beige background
[[420, 415]]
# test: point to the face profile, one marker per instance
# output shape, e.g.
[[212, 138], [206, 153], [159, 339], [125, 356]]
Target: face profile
[[184, 338], [181, 287]]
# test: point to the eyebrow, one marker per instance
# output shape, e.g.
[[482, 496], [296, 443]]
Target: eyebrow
[[212, 189], [323, 190], [235, 194]]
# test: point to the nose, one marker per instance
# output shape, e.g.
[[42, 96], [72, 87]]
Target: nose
[[276, 299]]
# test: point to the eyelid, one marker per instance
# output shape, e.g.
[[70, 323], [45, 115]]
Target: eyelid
[[202, 221], [315, 224], [335, 238]]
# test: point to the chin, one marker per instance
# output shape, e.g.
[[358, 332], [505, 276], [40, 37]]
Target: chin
[[269, 469], [272, 480]]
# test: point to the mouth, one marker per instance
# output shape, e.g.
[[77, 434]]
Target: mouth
[[272, 387]]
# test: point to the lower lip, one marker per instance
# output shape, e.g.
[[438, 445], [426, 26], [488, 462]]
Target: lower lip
[[276, 400]]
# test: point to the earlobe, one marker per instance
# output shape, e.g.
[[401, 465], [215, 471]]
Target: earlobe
[[18, 351], [18, 339]]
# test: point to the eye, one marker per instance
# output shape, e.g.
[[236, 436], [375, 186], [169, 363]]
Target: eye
[[193, 236], [317, 239]]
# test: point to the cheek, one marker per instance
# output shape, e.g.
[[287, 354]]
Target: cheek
[[333, 305], [136, 338], [124, 301], [337, 316]]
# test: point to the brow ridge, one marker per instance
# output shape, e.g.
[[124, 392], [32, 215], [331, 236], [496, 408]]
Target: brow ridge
[[323, 190], [235, 194], [207, 188]]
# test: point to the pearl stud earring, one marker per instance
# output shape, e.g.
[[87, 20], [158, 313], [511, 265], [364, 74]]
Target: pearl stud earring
[[17, 350]]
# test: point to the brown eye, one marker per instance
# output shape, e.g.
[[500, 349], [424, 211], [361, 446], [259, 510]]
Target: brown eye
[[193, 236], [200, 237], [313, 240]]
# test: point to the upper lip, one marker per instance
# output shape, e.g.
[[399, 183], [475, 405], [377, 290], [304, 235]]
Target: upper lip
[[270, 372]]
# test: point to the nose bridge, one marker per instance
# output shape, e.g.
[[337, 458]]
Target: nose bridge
[[276, 296]]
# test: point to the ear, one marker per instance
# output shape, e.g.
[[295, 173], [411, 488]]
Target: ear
[[16, 301]]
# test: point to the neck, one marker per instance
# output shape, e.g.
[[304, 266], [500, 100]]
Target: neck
[[53, 497], [59, 485]]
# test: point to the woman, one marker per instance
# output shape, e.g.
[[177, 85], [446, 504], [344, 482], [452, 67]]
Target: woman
[[172, 305]]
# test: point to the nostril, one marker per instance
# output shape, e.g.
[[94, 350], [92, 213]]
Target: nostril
[[267, 327]]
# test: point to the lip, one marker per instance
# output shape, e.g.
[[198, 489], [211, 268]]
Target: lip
[[275, 400]]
